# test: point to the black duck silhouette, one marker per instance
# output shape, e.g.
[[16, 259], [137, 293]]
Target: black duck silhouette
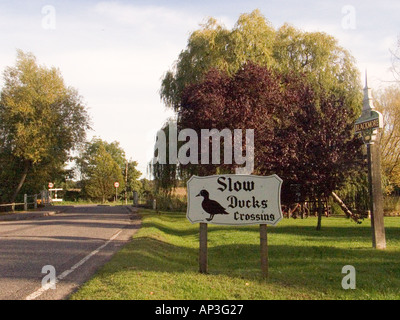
[[212, 207]]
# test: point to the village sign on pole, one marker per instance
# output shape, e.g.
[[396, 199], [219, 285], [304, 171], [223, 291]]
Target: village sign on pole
[[368, 125]]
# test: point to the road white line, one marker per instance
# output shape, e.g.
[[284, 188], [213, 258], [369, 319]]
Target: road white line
[[43, 289]]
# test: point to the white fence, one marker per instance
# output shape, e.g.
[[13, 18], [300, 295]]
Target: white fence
[[44, 197]]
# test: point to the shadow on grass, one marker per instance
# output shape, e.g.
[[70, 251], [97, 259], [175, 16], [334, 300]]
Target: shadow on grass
[[300, 257], [348, 233], [306, 267]]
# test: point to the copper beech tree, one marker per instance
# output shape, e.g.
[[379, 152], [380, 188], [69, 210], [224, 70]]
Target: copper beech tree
[[303, 136]]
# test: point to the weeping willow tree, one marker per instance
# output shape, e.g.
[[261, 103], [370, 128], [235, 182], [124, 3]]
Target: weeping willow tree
[[253, 39], [165, 174], [355, 194], [169, 176]]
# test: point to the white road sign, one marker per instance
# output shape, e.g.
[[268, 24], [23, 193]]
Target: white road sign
[[234, 200], [116, 185]]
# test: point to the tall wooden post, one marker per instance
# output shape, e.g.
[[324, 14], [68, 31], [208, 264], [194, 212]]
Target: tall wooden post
[[369, 125], [376, 196], [203, 259], [264, 251]]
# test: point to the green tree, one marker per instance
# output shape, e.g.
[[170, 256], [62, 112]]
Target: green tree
[[89, 150], [146, 188], [396, 61], [41, 121], [387, 101], [88, 160], [214, 46], [318, 55], [165, 175], [132, 176], [253, 39], [102, 174]]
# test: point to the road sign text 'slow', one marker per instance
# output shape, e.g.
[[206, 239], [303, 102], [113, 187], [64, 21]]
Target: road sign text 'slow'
[[234, 200]]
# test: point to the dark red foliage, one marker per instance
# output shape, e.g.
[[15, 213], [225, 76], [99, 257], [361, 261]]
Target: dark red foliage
[[304, 137]]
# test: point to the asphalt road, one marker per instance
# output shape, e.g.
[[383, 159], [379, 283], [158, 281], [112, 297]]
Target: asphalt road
[[76, 243]]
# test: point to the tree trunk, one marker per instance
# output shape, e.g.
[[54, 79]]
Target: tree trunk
[[27, 165], [320, 210]]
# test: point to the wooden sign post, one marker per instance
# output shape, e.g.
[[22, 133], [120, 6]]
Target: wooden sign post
[[376, 196], [203, 254], [234, 200], [264, 251], [368, 125]]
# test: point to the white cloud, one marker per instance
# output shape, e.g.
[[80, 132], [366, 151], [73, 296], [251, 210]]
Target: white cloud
[[147, 18]]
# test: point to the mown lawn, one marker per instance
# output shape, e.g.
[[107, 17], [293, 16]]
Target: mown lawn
[[162, 262]]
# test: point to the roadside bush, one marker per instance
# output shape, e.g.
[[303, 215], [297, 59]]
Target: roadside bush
[[391, 204], [171, 202], [335, 208], [72, 196]]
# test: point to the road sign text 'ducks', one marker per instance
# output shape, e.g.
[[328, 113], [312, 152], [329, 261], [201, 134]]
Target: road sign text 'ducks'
[[234, 200]]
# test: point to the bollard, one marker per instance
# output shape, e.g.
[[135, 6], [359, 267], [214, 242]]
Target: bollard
[[154, 204], [35, 201]]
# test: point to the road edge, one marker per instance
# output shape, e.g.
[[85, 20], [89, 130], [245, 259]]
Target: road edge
[[32, 215]]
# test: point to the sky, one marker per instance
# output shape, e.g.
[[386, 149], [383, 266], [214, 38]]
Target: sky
[[116, 52]]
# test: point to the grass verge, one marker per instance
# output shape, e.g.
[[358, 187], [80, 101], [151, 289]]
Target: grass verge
[[162, 262]]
